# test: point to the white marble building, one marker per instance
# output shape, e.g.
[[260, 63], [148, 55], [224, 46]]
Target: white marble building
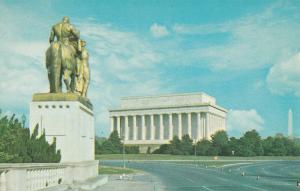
[[153, 120]]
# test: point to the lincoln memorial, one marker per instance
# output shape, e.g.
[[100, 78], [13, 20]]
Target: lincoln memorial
[[150, 121]]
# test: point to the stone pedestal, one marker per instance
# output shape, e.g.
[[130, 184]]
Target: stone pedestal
[[68, 118]]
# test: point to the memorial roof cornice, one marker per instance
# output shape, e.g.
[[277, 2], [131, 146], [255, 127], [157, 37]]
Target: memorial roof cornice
[[165, 95], [167, 107]]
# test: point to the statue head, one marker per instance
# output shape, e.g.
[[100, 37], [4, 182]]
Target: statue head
[[66, 19]]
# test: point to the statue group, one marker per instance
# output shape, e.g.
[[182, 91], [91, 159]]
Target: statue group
[[67, 59]]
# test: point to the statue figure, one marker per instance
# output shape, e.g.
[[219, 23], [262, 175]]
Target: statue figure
[[61, 56], [83, 69]]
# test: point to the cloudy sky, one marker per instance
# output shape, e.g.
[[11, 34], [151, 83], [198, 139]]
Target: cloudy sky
[[244, 53]]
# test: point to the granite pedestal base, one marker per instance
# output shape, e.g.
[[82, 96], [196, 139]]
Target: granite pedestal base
[[68, 118]]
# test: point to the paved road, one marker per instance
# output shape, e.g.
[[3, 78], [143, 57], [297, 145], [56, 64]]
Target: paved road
[[273, 176], [136, 182]]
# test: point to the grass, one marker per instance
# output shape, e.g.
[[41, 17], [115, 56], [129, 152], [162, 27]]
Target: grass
[[190, 157], [208, 163], [115, 170]]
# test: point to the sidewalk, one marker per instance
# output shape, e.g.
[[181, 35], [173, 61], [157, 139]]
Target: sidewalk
[[136, 182]]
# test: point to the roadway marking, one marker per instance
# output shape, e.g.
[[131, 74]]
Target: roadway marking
[[188, 179], [206, 188]]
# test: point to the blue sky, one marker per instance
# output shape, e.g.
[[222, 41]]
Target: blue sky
[[244, 53]]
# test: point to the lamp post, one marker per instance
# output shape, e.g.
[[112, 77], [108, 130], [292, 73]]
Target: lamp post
[[23, 120], [124, 165], [195, 150]]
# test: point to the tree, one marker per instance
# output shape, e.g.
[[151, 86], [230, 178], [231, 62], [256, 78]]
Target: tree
[[163, 149], [176, 146], [279, 148], [290, 146], [268, 146], [296, 151], [16, 144], [219, 142], [186, 145], [40, 150], [203, 147], [234, 146], [251, 144], [148, 150], [112, 145], [132, 149]]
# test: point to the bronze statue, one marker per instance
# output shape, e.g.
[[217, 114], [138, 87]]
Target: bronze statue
[[83, 70], [61, 56]]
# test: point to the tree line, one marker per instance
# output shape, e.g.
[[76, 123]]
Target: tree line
[[250, 144], [18, 146], [114, 145]]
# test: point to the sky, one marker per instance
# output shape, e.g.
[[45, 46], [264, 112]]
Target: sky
[[244, 53]]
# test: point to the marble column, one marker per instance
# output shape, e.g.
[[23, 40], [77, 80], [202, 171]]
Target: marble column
[[199, 134], [207, 126], [170, 126], [111, 124], [119, 125], [190, 124], [134, 128], [143, 128], [161, 127], [152, 135], [126, 128], [179, 126], [203, 125]]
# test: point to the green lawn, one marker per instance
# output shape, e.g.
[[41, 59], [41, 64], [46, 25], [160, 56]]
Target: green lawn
[[181, 157], [209, 163], [115, 170]]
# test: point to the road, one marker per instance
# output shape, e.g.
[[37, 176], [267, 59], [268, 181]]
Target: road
[[273, 176]]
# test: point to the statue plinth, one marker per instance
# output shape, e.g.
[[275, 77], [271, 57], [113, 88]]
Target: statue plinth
[[69, 118], [62, 97]]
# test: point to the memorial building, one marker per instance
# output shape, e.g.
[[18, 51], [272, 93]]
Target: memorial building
[[153, 120]]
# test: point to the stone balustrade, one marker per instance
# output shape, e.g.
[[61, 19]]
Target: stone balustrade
[[37, 176]]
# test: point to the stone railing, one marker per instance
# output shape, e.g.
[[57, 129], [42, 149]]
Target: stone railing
[[37, 176]]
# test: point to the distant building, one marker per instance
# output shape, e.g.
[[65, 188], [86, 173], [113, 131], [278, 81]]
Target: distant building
[[153, 120], [290, 123]]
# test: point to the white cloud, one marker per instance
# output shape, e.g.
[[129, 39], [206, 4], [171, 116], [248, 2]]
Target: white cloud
[[122, 63], [159, 30], [240, 121], [201, 29], [33, 49], [251, 42], [284, 77], [22, 59]]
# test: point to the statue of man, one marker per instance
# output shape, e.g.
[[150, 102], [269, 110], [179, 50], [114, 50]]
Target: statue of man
[[64, 32], [83, 69], [60, 57]]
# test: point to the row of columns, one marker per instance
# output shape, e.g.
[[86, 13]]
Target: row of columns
[[202, 126]]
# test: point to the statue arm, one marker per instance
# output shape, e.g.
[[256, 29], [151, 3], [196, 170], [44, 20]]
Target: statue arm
[[84, 54], [52, 35], [75, 32]]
